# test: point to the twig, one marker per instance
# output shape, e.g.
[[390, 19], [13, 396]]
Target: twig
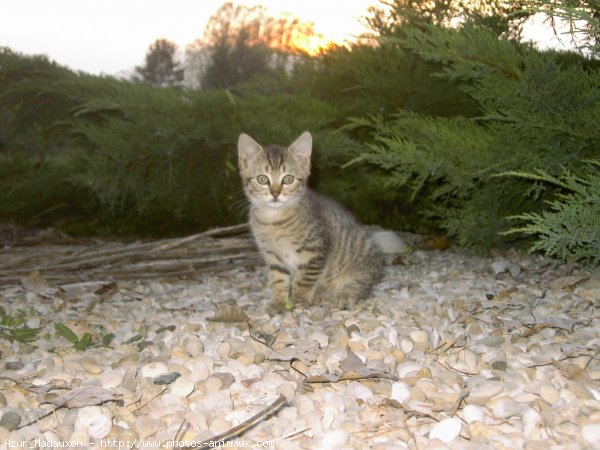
[[242, 427], [216, 232]]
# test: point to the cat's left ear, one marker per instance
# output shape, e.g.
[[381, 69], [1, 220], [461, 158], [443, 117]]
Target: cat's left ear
[[248, 149], [301, 148]]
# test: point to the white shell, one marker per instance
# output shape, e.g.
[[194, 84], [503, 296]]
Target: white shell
[[400, 392], [447, 430], [389, 242], [472, 413], [97, 420], [154, 369], [334, 439], [182, 387]]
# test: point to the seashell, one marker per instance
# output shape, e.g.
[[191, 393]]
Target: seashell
[[334, 401], [10, 420], [419, 336], [145, 426], [97, 420], [153, 370], [303, 404], [90, 366], [389, 242], [406, 345], [473, 413], [287, 389], [400, 392], [491, 341], [80, 435], [112, 379], [531, 421], [591, 433], [359, 391], [406, 368], [446, 430], [224, 350], [486, 390], [193, 346], [199, 370], [334, 439], [182, 387], [505, 407]]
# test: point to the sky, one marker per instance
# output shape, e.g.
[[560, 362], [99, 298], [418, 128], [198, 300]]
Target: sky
[[112, 36]]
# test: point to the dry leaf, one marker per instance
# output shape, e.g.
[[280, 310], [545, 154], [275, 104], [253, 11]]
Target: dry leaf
[[563, 282], [106, 291], [36, 283], [305, 351], [84, 396], [229, 313], [352, 369]]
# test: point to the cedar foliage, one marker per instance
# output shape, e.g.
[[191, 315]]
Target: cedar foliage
[[465, 131], [538, 110]]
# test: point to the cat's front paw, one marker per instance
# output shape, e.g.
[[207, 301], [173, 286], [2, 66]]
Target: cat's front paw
[[277, 306], [345, 301]]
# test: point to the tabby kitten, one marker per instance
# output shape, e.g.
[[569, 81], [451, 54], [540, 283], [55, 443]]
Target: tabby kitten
[[316, 251]]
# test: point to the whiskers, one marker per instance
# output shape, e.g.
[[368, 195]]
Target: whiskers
[[241, 206]]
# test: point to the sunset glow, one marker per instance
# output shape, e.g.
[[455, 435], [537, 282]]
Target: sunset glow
[[111, 36], [311, 44]]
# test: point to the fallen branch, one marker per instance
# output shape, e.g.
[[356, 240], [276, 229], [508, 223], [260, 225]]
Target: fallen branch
[[242, 427]]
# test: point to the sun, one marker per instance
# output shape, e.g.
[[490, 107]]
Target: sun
[[311, 44]]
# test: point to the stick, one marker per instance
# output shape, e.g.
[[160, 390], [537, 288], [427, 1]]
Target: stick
[[215, 232], [242, 427]]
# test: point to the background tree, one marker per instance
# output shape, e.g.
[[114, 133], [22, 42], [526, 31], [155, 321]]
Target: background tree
[[242, 42], [502, 17], [161, 68], [582, 17]]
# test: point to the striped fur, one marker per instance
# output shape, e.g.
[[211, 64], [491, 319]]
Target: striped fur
[[315, 250]]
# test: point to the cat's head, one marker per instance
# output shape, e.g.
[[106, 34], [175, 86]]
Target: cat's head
[[274, 176]]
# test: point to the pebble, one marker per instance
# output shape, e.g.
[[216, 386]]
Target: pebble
[[146, 427], [112, 379], [443, 324], [400, 392], [182, 387], [96, 419], [91, 366], [473, 413], [505, 407], [10, 420], [591, 433], [334, 439], [549, 394], [446, 430], [166, 378], [153, 370]]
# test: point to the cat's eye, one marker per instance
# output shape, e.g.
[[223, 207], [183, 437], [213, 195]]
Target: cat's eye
[[288, 179], [262, 179]]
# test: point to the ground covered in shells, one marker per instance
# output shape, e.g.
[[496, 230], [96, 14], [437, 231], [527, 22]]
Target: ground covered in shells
[[451, 351]]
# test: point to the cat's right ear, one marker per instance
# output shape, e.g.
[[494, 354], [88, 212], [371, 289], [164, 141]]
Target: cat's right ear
[[248, 149]]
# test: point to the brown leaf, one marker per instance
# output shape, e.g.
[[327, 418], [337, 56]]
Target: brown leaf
[[229, 313], [563, 282], [84, 396], [106, 291], [352, 369], [35, 282], [305, 351]]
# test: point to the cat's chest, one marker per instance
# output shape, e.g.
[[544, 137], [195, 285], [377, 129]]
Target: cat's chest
[[287, 251]]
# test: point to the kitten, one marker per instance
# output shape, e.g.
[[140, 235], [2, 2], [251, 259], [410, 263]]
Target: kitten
[[316, 251]]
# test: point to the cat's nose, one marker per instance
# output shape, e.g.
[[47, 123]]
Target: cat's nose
[[275, 190]]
